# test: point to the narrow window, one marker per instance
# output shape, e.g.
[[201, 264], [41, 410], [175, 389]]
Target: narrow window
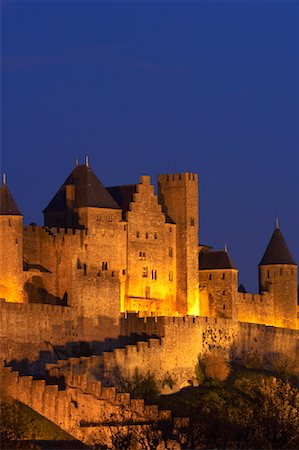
[[125, 227], [104, 265], [146, 235], [154, 274], [84, 269], [138, 234], [79, 265], [210, 276], [145, 272], [192, 221], [170, 229], [124, 271], [268, 274], [9, 222], [223, 293], [109, 218], [223, 306], [147, 292], [280, 271], [170, 252], [155, 236], [170, 276], [140, 255], [223, 276], [143, 255]]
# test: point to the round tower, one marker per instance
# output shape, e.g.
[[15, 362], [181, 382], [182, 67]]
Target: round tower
[[278, 275], [11, 247]]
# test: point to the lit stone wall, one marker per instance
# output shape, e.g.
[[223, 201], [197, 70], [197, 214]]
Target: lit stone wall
[[222, 287], [11, 249], [281, 280], [152, 275], [256, 308], [28, 328]]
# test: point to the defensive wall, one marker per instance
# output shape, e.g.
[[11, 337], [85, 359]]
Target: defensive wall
[[87, 410], [184, 339], [29, 330], [256, 308]]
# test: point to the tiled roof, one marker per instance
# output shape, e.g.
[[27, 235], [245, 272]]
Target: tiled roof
[[8, 206], [277, 251], [89, 191], [215, 260]]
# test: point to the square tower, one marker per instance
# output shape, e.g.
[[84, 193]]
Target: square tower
[[178, 195]]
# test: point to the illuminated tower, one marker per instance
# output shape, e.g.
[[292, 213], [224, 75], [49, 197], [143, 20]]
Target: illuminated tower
[[278, 274], [11, 247], [178, 194]]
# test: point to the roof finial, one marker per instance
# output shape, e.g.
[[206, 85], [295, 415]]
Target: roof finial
[[276, 223], [86, 161], [4, 178], [77, 162], [225, 248]]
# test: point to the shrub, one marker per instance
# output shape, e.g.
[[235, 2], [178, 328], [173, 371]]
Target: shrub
[[283, 365], [216, 365], [141, 385]]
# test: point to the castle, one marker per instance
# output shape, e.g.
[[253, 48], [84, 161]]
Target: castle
[[106, 251], [115, 280]]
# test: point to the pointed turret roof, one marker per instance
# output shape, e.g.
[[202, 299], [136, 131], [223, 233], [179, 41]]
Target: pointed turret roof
[[89, 191], [8, 206], [277, 251]]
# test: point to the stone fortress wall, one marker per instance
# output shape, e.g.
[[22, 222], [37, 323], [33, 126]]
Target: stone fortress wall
[[27, 329]]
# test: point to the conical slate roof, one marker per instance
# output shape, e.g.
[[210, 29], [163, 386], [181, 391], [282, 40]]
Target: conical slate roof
[[89, 191], [277, 251], [8, 206]]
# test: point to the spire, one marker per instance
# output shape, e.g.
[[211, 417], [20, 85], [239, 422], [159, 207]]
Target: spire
[[276, 223], [86, 161], [8, 206], [225, 248], [77, 162], [277, 251]]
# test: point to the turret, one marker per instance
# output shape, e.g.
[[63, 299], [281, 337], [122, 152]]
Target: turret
[[278, 275], [11, 247], [178, 195]]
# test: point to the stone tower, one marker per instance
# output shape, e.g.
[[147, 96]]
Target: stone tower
[[11, 247], [178, 195], [219, 275], [278, 275]]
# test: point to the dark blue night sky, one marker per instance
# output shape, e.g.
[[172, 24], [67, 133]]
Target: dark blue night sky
[[148, 88]]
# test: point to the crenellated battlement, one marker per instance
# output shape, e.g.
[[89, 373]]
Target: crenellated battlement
[[177, 178]]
